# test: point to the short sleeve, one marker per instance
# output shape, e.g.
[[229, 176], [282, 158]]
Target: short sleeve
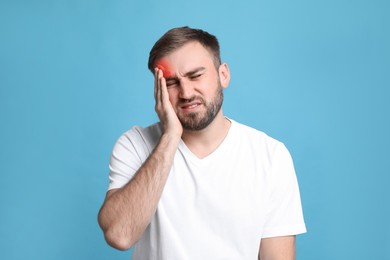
[[125, 160], [284, 216]]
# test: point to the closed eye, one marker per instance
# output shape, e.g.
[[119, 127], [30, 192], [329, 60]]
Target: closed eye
[[172, 83], [195, 76], [195, 73]]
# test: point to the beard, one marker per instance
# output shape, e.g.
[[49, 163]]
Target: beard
[[200, 120]]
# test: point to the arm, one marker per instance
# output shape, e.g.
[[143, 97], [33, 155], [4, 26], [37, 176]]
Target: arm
[[126, 212], [277, 248], [284, 215]]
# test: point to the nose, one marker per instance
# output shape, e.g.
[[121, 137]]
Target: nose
[[186, 90]]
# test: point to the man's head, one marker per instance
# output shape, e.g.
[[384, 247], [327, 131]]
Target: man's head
[[178, 37], [194, 75]]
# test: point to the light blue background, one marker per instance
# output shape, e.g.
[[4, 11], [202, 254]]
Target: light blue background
[[313, 74]]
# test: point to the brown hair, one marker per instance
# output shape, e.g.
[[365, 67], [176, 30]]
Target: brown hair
[[177, 37]]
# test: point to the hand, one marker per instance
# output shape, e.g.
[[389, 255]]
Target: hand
[[163, 107]]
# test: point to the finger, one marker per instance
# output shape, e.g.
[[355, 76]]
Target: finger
[[158, 94], [155, 82], [164, 91]]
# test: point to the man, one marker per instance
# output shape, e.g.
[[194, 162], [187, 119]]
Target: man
[[198, 185]]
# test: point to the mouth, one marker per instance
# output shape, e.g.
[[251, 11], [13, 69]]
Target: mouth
[[192, 106]]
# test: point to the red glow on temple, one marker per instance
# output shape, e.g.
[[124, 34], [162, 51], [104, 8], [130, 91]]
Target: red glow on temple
[[166, 68]]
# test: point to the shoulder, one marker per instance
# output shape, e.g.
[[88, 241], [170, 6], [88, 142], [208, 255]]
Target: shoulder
[[254, 135], [141, 136], [259, 144]]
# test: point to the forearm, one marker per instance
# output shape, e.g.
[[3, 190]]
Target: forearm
[[277, 248], [126, 213]]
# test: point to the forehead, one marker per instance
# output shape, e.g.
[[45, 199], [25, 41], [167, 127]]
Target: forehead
[[190, 55]]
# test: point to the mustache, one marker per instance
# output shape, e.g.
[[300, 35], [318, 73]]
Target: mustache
[[191, 99]]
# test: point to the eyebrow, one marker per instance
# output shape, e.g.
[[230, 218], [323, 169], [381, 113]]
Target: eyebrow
[[188, 74]]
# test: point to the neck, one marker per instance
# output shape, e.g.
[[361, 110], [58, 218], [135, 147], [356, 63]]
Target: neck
[[205, 141]]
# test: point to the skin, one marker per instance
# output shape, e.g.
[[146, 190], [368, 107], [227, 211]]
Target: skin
[[186, 83], [166, 68], [277, 248]]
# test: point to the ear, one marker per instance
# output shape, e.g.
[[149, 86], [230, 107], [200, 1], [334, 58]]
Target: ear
[[224, 75]]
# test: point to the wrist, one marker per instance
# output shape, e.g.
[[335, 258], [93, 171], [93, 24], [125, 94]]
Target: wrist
[[171, 137]]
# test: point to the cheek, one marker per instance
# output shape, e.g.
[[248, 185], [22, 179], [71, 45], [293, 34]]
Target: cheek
[[166, 68], [173, 97]]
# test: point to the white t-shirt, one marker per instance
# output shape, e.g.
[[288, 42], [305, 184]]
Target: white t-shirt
[[218, 207]]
